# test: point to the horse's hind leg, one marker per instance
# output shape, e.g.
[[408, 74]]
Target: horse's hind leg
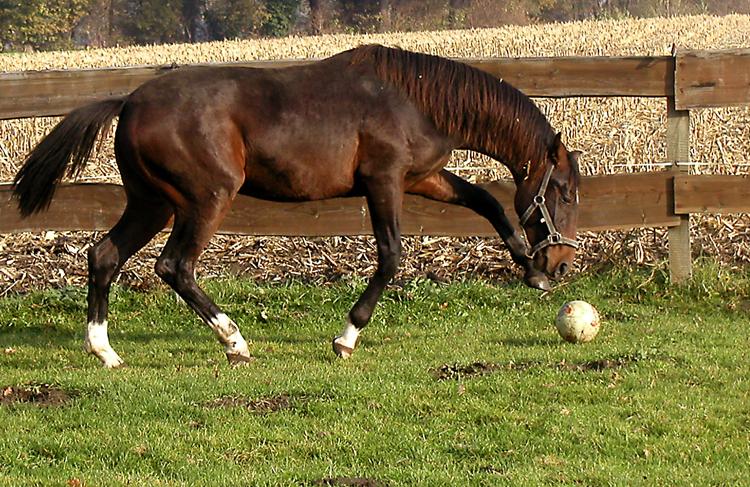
[[384, 199], [139, 223], [193, 228]]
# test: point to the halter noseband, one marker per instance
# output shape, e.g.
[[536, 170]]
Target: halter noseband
[[554, 237]]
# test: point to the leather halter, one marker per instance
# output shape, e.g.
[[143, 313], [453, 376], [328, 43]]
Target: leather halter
[[554, 237]]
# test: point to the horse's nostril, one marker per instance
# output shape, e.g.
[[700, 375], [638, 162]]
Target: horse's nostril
[[563, 269]]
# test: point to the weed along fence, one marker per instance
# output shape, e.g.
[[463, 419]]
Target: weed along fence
[[687, 80]]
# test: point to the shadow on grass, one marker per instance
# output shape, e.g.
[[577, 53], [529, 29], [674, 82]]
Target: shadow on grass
[[301, 339], [201, 333], [159, 336], [38, 337], [525, 342]]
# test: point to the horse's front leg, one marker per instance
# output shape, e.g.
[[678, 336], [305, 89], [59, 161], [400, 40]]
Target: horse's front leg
[[384, 199], [449, 188]]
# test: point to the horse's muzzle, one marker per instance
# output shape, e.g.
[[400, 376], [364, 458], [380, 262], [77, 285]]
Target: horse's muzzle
[[537, 280]]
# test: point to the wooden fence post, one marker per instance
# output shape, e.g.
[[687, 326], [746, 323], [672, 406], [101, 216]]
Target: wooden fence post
[[678, 151]]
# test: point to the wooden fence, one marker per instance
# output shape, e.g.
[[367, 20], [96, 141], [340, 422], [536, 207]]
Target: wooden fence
[[687, 80]]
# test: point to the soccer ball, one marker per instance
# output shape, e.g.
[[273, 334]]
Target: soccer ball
[[577, 322]]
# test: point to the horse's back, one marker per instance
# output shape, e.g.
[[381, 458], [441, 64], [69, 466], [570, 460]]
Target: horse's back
[[291, 133]]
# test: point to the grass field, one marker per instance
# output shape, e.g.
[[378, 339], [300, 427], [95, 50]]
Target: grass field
[[461, 384]]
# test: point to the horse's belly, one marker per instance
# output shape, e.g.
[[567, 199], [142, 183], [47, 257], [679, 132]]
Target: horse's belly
[[297, 181]]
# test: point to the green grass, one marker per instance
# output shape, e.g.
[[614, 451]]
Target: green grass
[[673, 409]]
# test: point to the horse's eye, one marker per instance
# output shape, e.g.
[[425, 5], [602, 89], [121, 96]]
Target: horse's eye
[[567, 198]]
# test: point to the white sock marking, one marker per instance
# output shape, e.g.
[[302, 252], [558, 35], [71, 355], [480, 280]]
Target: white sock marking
[[229, 334], [97, 343], [349, 335], [223, 326]]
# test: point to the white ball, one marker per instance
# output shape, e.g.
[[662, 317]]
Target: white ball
[[577, 322]]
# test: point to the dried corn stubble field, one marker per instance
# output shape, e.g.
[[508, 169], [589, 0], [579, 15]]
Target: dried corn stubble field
[[616, 134]]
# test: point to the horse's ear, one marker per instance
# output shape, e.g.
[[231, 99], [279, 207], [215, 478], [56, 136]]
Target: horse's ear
[[573, 156], [556, 149]]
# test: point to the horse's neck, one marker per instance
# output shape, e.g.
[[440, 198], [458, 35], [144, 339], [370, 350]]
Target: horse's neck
[[516, 136], [513, 154]]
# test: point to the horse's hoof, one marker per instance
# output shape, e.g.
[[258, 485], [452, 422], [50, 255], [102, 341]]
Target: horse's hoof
[[237, 351], [239, 360], [342, 350], [108, 357], [115, 364]]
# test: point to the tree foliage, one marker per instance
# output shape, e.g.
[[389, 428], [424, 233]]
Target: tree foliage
[[56, 24], [230, 19], [154, 21], [40, 24], [281, 16]]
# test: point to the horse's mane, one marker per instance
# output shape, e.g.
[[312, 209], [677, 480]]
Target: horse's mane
[[488, 114]]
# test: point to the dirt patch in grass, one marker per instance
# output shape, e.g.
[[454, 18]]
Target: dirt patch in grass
[[262, 405], [43, 395], [350, 481], [601, 364], [458, 371], [477, 369]]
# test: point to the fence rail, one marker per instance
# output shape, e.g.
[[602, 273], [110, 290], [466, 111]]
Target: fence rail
[[687, 80], [607, 202], [47, 93]]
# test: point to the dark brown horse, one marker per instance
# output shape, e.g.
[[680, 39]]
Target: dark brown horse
[[371, 121]]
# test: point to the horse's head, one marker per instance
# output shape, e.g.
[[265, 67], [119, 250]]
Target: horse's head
[[547, 204]]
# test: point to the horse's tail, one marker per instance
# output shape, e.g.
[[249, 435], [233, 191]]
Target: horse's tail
[[70, 143]]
